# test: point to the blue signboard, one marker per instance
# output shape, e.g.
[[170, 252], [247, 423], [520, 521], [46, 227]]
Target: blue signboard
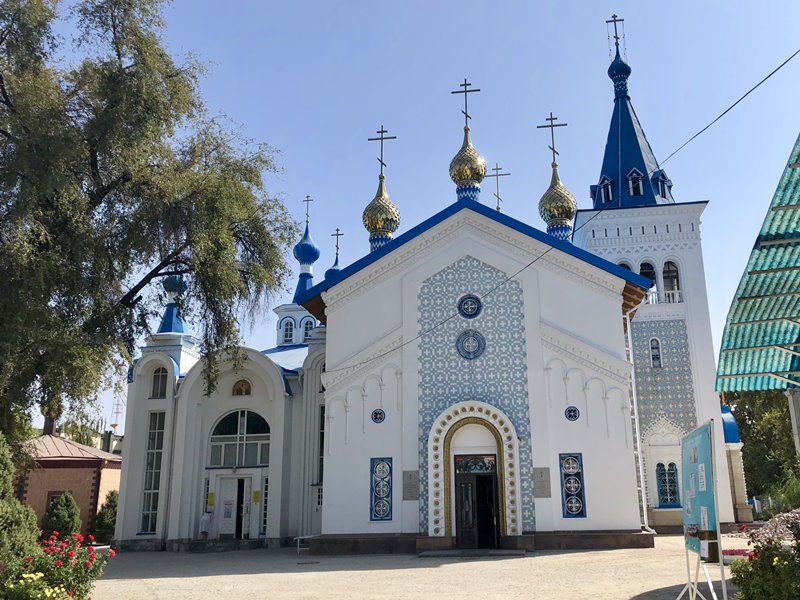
[[697, 478]]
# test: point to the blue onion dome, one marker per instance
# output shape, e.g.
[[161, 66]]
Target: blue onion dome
[[174, 285], [468, 168], [557, 206], [306, 251], [333, 270], [618, 72], [381, 217]]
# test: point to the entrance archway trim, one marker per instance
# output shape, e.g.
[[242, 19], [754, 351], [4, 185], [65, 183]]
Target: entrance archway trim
[[440, 472]]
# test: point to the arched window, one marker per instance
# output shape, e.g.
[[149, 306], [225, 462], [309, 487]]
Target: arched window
[[159, 383], [307, 327], [646, 269], [240, 439], [655, 353], [672, 284], [242, 388], [625, 265], [605, 190], [667, 479], [288, 331]]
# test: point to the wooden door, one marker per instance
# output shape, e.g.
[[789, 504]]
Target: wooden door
[[466, 511]]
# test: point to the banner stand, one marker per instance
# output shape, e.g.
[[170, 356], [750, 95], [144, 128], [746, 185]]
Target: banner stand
[[697, 457]]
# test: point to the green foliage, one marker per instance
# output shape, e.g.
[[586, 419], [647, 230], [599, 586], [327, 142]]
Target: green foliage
[[111, 177], [106, 518], [768, 452], [18, 527], [63, 517], [772, 570]]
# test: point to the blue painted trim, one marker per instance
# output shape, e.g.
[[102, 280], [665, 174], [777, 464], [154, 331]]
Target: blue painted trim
[[580, 494], [283, 348], [489, 213], [669, 506]]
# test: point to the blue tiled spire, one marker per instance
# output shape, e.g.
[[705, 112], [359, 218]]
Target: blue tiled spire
[[630, 175], [306, 252], [172, 321]]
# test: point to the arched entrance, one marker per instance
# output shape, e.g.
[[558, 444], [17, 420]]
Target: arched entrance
[[473, 475]]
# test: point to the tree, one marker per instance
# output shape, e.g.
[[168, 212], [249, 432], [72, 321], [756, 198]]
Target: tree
[[111, 177], [63, 515], [106, 518], [18, 527], [768, 450]]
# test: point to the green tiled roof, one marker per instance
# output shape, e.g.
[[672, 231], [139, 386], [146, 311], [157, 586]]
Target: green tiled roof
[[761, 343]]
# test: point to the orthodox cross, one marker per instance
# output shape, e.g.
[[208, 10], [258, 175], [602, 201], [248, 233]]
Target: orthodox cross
[[382, 138], [465, 91], [497, 175], [308, 202], [337, 235], [614, 19], [552, 127]]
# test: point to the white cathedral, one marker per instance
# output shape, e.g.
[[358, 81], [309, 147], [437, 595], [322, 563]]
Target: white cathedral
[[471, 383]]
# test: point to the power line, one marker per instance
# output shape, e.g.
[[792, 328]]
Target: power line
[[560, 242]]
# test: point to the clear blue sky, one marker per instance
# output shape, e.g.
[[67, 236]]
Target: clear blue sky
[[315, 79]]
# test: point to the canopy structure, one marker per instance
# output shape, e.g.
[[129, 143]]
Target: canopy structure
[[760, 347]]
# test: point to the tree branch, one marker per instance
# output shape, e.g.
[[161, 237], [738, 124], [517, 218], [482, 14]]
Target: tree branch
[[6, 98], [130, 298]]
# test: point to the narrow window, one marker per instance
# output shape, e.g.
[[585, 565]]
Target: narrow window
[[307, 327], [152, 473], [242, 388], [321, 451], [592, 233], [264, 507], [655, 353], [647, 269], [635, 183], [605, 191], [288, 331], [672, 286], [667, 226], [662, 187], [625, 266], [667, 480], [159, 383], [630, 230]]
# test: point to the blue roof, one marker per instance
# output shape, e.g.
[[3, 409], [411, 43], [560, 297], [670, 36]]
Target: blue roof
[[289, 357], [306, 251], [729, 427], [490, 213], [172, 322], [760, 347], [628, 150]]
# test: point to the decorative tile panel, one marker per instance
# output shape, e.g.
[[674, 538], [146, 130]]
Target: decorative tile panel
[[666, 390], [573, 495], [380, 489], [497, 377]]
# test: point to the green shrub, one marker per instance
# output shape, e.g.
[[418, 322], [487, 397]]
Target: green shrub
[[107, 518], [18, 527], [63, 515], [772, 569]]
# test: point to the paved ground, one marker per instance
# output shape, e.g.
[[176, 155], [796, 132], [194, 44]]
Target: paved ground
[[653, 574]]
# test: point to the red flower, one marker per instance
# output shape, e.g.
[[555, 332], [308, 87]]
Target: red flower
[[55, 535], [111, 553], [91, 538], [92, 556], [70, 554], [88, 563], [72, 562], [29, 558], [70, 594], [59, 563]]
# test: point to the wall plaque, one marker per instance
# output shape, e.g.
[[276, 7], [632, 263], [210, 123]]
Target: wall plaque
[[541, 482], [410, 485]]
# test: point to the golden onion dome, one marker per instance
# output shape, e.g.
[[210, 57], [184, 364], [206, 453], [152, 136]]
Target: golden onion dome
[[467, 167], [381, 217], [557, 206]]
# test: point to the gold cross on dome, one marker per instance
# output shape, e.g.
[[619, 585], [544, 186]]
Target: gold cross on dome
[[382, 139], [466, 85], [551, 125], [497, 175]]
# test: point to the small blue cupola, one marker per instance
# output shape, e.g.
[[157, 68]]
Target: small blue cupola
[[630, 175], [335, 267], [729, 427], [306, 252], [172, 321]]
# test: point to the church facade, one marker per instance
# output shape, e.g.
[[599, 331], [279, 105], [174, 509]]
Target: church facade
[[465, 384]]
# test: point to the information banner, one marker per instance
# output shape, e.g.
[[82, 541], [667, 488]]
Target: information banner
[[697, 478]]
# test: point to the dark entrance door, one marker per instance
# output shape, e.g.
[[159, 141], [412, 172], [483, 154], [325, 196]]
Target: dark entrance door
[[239, 508], [477, 518]]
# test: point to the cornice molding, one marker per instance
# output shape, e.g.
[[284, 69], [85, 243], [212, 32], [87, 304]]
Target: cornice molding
[[595, 359]]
